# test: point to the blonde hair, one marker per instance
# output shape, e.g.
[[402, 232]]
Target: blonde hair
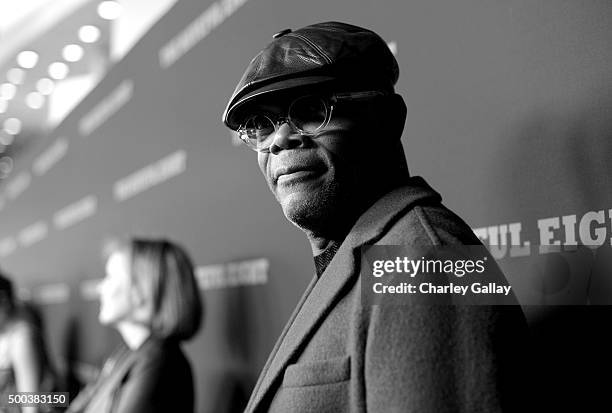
[[163, 274]]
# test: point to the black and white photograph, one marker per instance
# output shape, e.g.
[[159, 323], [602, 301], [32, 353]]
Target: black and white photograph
[[360, 206]]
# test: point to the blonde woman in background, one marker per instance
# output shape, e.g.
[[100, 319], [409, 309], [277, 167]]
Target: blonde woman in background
[[151, 297]]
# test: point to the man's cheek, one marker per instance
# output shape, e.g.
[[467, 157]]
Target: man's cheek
[[265, 168]]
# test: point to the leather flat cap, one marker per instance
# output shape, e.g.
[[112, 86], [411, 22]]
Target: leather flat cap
[[350, 57]]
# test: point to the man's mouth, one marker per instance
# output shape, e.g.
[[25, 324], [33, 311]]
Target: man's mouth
[[288, 174]]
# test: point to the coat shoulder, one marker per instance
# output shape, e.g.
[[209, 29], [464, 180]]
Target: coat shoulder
[[429, 224]]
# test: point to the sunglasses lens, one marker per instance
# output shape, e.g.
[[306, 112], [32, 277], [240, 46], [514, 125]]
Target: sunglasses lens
[[308, 113], [256, 131]]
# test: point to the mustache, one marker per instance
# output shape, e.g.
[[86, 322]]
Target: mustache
[[288, 162]]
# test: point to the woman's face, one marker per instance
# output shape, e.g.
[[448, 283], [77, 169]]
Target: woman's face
[[115, 290]]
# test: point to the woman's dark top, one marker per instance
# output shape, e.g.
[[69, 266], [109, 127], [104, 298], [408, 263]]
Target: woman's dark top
[[155, 378]]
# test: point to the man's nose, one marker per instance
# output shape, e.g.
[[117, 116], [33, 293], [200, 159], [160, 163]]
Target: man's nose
[[286, 137]]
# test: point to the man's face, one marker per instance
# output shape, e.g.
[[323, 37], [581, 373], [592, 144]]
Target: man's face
[[315, 178]]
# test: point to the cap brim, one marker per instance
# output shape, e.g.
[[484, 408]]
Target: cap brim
[[232, 108]]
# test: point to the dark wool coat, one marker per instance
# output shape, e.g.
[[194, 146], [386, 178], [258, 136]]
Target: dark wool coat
[[337, 355]]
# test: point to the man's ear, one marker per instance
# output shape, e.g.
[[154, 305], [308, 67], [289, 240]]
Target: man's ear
[[397, 112], [390, 117]]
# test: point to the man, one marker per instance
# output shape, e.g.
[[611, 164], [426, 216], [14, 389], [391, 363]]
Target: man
[[318, 105]]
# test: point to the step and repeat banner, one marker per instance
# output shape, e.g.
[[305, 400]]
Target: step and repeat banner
[[509, 118]]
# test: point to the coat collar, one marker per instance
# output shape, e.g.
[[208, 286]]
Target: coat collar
[[391, 206], [321, 295]]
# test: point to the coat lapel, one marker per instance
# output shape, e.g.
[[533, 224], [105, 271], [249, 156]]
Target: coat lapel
[[259, 390], [114, 374], [342, 271], [316, 303]]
